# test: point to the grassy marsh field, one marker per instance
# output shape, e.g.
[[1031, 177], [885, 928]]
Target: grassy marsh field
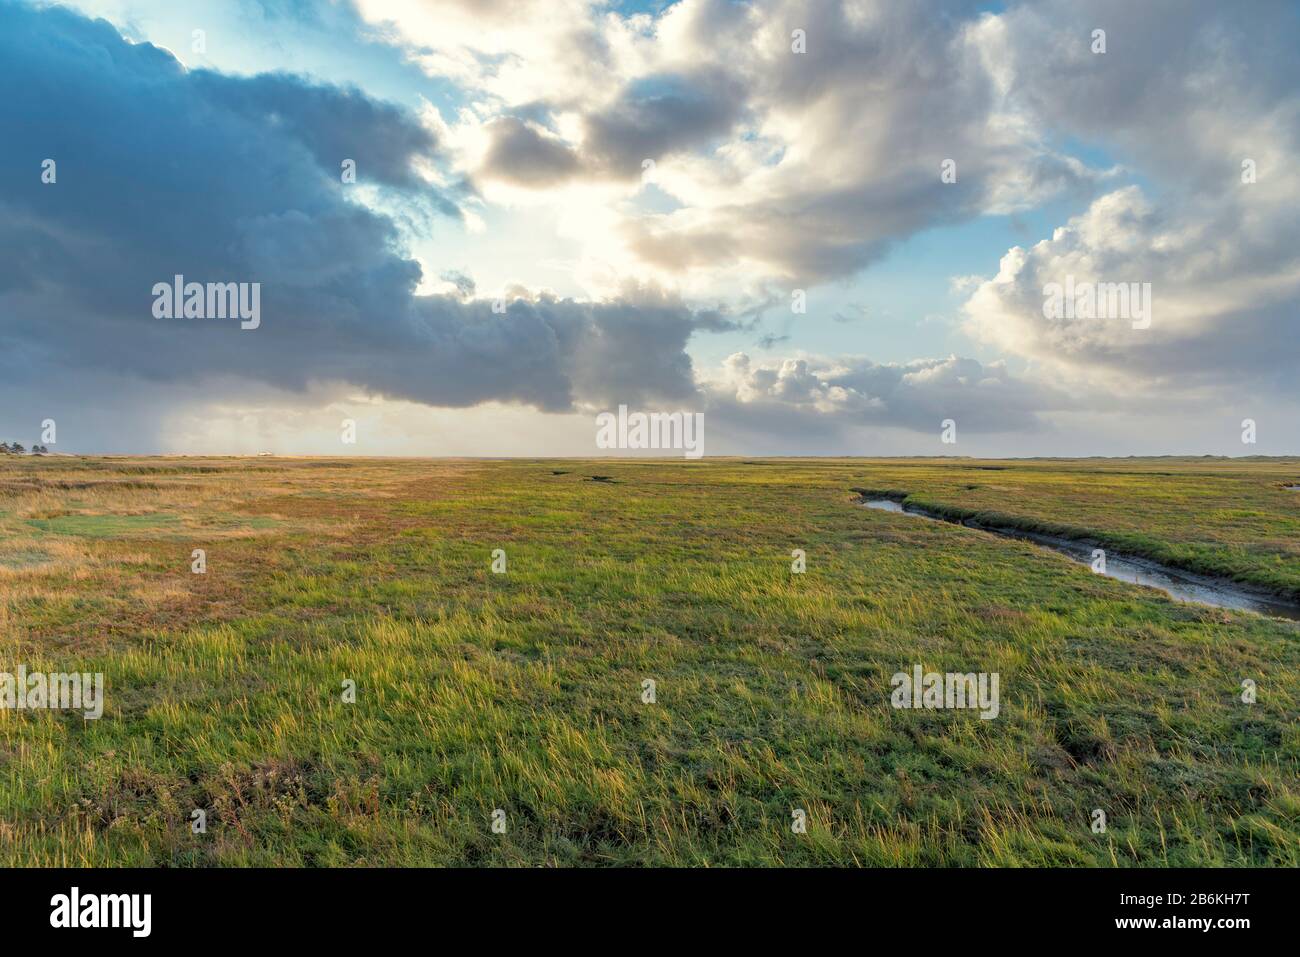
[[522, 691]]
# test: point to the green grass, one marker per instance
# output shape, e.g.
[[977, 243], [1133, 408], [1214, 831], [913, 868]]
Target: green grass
[[104, 526], [522, 691]]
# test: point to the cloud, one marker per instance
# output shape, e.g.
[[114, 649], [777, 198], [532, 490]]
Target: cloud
[[847, 141], [772, 169], [1189, 98], [163, 171], [527, 155], [823, 396], [1182, 89], [780, 166], [657, 116], [507, 50], [332, 123]]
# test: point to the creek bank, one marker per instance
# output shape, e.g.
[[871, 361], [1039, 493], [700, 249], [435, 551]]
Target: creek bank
[[1179, 584]]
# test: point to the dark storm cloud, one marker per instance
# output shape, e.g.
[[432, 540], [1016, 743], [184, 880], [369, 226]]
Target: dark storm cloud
[[334, 124], [222, 179]]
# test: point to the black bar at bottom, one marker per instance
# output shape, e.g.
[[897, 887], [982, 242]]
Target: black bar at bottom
[[334, 906]]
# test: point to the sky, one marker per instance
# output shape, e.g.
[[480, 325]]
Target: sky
[[829, 227]]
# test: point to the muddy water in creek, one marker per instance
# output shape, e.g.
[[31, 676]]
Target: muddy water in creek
[[1178, 584]]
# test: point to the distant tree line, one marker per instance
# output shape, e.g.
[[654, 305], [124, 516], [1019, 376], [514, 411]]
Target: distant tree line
[[15, 448]]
